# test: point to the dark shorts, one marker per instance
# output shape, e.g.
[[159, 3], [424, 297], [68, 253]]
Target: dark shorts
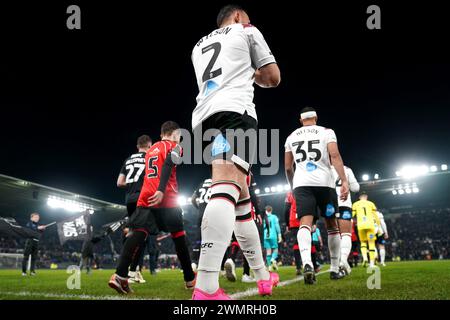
[[131, 208], [229, 135], [316, 201], [293, 234], [345, 213], [154, 220], [380, 240]]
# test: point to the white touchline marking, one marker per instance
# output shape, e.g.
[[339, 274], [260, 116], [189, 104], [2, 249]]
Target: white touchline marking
[[254, 291], [70, 296]]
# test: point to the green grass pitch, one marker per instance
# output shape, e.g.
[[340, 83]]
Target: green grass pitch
[[399, 280]]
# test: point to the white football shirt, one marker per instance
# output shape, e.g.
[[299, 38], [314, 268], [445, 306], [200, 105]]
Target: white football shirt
[[225, 62], [383, 227], [309, 146], [352, 182]]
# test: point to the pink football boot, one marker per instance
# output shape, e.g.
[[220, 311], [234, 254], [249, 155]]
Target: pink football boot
[[265, 286], [202, 295]]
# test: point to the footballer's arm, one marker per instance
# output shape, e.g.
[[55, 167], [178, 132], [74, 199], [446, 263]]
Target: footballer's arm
[[171, 160], [354, 185], [194, 197], [289, 167], [336, 161], [384, 228], [320, 241], [268, 76], [254, 199], [121, 181]]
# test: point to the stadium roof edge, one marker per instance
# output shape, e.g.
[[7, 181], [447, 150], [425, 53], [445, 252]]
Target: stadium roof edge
[[400, 179], [4, 179]]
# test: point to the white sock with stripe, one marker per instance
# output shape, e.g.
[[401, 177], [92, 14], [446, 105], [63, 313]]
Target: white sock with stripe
[[217, 228], [304, 244], [346, 246], [247, 235], [382, 255], [334, 245]]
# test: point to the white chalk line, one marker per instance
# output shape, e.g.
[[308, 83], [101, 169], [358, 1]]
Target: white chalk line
[[254, 291]]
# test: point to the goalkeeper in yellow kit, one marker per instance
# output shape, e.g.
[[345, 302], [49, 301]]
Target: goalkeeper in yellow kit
[[366, 220]]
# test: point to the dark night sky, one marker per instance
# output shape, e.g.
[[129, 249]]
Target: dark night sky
[[73, 102]]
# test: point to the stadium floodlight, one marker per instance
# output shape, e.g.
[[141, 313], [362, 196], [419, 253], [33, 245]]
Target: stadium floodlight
[[287, 187], [365, 177], [412, 171], [408, 190], [444, 167], [257, 191], [182, 200], [280, 188], [68, 205], [401, 191], [273, 189], [376, 176], [91, 211], [415, 190], [394, 192], [433, 168], [423, 170], [266, 189]]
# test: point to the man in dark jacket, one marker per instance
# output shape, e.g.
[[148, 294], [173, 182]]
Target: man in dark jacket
[[31, 245]]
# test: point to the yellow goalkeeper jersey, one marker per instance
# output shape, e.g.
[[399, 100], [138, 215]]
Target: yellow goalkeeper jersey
[[366, 214]]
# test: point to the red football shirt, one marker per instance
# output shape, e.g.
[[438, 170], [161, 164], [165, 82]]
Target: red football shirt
[[293, 221], [154, 160], [354, 234]]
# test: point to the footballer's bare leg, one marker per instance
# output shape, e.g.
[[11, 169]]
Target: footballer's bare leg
[[304, 243], [382, 255], [345, 228], [217, 227], [268, 256], [334, 246]]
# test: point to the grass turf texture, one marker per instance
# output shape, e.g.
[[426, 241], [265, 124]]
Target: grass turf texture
[[399, 280]]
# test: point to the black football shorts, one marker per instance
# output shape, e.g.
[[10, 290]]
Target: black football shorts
[[345, 213], [229, 136], [154, 220], [316, 201], [380, 239]]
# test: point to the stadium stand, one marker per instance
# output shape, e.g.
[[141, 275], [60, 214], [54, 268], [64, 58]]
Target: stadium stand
[[419, 227]]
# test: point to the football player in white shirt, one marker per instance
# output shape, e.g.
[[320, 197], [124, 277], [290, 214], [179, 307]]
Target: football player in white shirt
[[227, 62], [345, 217], [311, 148], [382, 236]]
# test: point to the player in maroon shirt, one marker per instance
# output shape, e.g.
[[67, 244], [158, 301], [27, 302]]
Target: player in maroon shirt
[[157, 208]]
